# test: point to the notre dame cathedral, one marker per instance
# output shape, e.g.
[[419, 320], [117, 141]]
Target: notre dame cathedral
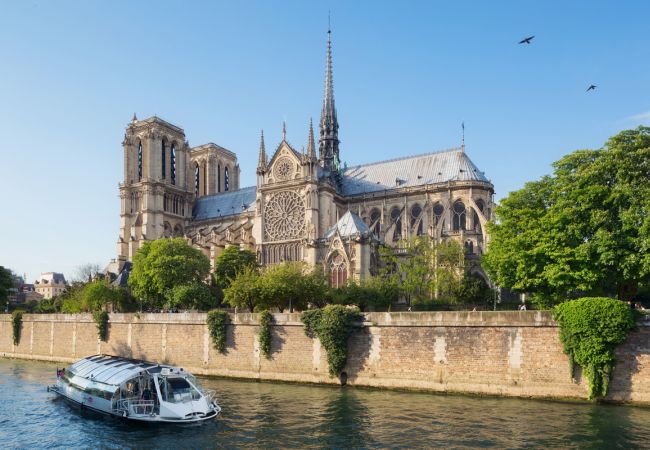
[[305, 207]]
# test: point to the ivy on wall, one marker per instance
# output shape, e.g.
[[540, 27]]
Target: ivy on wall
[[17, 324], [101, 320], [333, 326], [217, 321], [590, 330], [266, 320]]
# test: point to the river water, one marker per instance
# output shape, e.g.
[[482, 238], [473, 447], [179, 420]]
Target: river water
[[276, 415]]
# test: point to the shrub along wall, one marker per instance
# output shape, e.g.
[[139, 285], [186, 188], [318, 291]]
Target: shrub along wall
[[499, 353]]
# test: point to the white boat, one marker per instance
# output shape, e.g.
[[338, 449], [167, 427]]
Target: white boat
[[136, 390]]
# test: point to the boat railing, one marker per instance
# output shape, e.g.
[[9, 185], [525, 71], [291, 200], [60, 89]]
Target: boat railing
[[209, 394], [137, 407]]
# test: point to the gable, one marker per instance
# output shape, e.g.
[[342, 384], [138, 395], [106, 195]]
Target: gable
[[285, 164]]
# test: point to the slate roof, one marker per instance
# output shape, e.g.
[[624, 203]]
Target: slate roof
[[429, 168], [224, 204], [349, 225]]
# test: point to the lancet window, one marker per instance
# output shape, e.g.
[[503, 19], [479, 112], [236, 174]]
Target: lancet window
[[172, 164], [375, 221], [338, 271], [139, 160], [396, 216], [416, 221], [226, 179], [163, 158], [197, 178], [438, 211], [459, 216]]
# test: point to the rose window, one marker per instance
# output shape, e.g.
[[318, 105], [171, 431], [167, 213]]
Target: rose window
[[283, 169], [284, 216]]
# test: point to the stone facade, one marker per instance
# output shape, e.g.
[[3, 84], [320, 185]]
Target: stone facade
[[305, 206], [514, 353]]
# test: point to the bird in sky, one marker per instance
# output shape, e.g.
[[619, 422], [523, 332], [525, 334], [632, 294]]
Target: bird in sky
[[592, 87], [527, 40]]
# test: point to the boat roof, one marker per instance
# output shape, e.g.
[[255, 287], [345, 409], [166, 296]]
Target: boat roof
[[111, 370]]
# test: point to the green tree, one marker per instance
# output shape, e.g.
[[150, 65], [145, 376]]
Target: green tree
[[422, 269], [245, 290], [374, 292], [6, 283], [230, 262], [584, 229], [99, 295], [159, 266], [282, 286], [192, 296]]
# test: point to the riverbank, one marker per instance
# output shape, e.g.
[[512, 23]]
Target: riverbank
[[506, 353]]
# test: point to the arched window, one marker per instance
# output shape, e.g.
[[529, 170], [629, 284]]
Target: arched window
[[197, 178], [459, 216], [338, 271], [163, 157], [416, 212], [438, 210], [172, 161], [140, 161], [218, 177], [396, 217], [167, 231], [178, 231], [469, 247], [375, 221], [226, 179]]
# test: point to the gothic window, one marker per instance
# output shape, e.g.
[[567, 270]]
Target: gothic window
[[226, 180], [218, 177], [178, 231], [375, 221], [163, 157], [139, 160], [165, 206], [469, 247], [167, 232], [338, 271], [197, 179], [459, 216], [205, 177], [395, 215], [416, 212], [438, 210], [172, 161], [477, 223], [284, 215]]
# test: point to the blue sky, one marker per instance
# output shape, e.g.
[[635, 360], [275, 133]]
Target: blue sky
[[406, 75]]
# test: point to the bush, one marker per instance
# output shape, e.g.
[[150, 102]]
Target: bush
[[266, 319], [101, 319], [217, 321], [590, 330], [17, 324], [333, 326]]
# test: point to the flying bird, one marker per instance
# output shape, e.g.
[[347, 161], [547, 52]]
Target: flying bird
[[592, 87], [527, 40]]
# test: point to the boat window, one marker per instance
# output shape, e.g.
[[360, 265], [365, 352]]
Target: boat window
[[178, 390]]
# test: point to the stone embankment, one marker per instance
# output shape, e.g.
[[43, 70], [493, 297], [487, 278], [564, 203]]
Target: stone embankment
[[514, 353]]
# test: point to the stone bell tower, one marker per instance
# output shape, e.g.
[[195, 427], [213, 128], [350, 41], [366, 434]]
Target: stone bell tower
[[156, 195]]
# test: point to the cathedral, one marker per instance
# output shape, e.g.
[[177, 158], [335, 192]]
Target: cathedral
[[306, 206]]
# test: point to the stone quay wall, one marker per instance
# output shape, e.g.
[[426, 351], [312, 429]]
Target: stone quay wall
[[515, 353]]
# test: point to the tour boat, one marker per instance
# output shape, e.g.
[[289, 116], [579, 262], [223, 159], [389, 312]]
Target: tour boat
[[135, 390]]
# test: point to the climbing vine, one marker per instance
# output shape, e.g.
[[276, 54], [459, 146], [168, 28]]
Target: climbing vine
[[590, 330], [266, 319], [333, 326], [101, 320], [17, 324], [217, 321]]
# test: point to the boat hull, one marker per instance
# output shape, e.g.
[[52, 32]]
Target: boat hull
[[150, 419]]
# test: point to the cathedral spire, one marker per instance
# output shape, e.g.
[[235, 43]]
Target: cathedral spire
[[284, 130], [261, 163], [329, 126], [311, 145]]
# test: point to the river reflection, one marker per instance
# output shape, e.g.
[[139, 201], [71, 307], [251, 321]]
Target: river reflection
[[275, 415]]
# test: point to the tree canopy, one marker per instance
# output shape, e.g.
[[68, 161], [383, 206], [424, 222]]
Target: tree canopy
[[160, 265], [230, 262], [6, 283], [583, 229]]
